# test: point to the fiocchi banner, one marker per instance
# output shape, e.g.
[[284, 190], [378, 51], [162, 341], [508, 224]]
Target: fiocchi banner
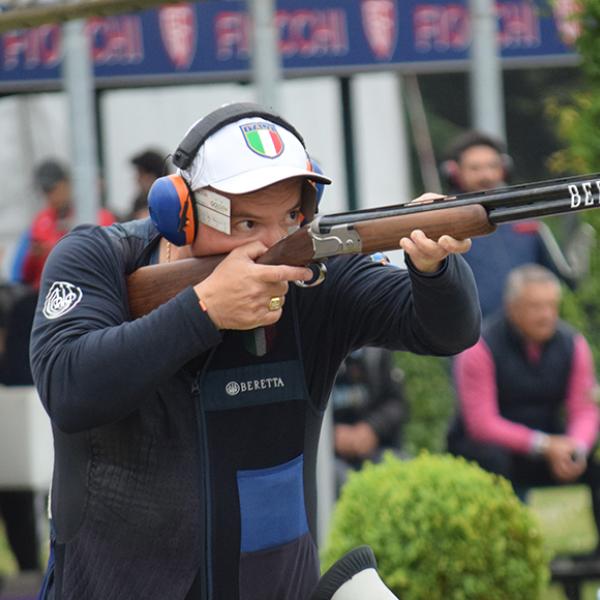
[[210, 41]]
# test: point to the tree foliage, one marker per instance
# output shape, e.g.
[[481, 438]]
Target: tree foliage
[[577, 115], [577, 120]]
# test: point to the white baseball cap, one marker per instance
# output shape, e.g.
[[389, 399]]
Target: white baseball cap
[[248, 155]]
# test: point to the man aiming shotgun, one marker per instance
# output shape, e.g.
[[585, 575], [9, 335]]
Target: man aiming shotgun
[[186, 439]]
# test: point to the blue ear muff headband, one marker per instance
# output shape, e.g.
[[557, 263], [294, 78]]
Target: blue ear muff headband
[[187, 149]]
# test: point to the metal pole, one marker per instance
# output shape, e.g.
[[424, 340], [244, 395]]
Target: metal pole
[[266, 61], [325, 476], [27, 141], [349, 154], [79, 86], [487, 98], [421, 132]]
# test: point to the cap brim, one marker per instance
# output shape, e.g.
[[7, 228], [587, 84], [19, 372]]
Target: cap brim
[[244, 183]]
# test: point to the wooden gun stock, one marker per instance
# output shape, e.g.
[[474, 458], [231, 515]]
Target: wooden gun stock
[[151, 286]]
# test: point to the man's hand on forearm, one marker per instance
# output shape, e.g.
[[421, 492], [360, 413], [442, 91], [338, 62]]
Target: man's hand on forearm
[[427, 254]]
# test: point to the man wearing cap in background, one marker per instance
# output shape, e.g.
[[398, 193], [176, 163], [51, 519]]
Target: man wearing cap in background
[[149, 165], [478, 162], [53, 221], [21, 509], [186, 439]]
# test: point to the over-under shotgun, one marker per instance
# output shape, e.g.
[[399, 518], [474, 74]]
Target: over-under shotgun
[[380, 229]]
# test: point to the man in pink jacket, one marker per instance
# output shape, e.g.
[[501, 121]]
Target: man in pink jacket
[[527, 392]]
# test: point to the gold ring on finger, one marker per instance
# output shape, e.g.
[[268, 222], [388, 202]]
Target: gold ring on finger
[[275, 303]]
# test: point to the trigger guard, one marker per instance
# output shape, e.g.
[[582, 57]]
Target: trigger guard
[[319, 271]]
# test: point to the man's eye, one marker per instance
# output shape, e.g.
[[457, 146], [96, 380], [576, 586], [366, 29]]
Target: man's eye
[[294, 215], [246, 225]]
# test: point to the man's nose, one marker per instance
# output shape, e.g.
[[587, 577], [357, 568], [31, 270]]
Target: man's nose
[[272, 235], [551, 315]]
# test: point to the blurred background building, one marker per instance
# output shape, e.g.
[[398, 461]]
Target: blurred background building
[[378, 87]]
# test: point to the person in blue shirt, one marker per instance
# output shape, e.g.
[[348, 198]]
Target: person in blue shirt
[[477, 162], [21, 249]]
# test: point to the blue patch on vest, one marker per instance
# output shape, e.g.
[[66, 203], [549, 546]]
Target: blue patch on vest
[[267, 383], [272, 505]]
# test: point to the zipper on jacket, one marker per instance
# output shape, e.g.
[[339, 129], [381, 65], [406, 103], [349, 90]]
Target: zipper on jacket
[[206, 584]]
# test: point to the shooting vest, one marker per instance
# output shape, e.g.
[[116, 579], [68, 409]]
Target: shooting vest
[[531, 393], [257, 466]]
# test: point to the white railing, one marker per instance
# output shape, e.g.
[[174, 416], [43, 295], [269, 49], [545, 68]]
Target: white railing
[[26, 448]]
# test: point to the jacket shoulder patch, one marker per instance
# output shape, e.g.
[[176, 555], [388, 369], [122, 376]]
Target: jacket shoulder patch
[[62, 297]]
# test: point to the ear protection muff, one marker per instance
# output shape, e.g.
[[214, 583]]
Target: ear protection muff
[[170, 199], [319, 186], [508, 165], [448, 170], [172, 209]]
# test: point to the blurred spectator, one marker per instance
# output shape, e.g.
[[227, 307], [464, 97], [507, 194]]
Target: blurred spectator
[[527, 392], [149, 166], [139, 208], [21, 510], [16, 269], [49, 224], [477, 162], [17, 306], [369, 408]]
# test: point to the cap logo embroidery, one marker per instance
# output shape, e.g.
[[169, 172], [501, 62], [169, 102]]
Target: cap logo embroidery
[[263, 139], [60, 299]]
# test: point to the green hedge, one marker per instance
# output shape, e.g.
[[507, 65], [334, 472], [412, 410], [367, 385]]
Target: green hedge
[[431, 400], [441, 529]]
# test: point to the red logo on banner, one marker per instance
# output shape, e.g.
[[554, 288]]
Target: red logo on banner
[[565, 12], [178, 33], [380, 24]]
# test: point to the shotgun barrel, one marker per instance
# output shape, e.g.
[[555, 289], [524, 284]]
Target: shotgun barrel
[[570, 194]]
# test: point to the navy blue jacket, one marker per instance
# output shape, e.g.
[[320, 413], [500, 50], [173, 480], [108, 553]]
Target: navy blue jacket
[[492, 257], [169, 433]]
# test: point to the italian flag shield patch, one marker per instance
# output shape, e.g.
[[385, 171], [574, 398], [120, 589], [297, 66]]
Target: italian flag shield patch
[[263, 139]]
